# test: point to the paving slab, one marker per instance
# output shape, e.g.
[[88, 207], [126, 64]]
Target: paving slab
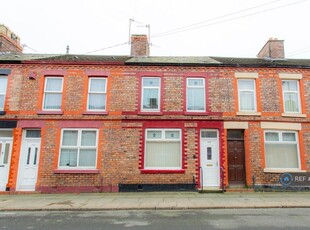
[[153, 200]]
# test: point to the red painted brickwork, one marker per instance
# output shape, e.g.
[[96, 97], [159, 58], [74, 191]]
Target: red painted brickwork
[[121, 130]]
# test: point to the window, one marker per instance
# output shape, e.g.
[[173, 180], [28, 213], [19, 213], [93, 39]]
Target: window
[[97, 94], [3, 85], [163, 149], [78, 148], [291, 96], [195, 92], [246, 95], [281, 150], [150, 94], [52, 93]]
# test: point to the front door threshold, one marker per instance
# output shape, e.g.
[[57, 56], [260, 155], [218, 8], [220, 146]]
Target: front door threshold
[[210, 189]]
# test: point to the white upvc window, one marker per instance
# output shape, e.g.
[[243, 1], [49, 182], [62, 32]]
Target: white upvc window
[[291, 96], [78, 148], [282, 150], [163, 149], [97, 90], [3, 86], [53, 93], [150, 94], [246, 95], [195, 95]]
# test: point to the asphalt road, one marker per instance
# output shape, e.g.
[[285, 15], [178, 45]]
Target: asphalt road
[[159, 219]]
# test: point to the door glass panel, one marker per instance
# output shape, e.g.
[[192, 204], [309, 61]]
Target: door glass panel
[[35, 156], [6, 133], [235, 134], [209, 153], [33, 134], [6, 153], [209, 134], [28, 156]]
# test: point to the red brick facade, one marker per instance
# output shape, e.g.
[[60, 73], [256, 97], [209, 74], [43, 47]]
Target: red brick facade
[[121, 128]]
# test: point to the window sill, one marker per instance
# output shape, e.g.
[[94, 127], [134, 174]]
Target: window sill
[[282, 170], [95, 113], [2, 112], [43, 112], [150, 113], [249, 113], [158, 171], [293, 115], [76, 171]]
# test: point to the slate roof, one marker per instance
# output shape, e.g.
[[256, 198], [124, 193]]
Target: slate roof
[[157, 61]]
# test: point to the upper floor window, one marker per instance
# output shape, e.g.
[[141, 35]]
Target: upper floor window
[[291, 98], [195, 95], [163, 149], [150, 94], [97, 94], [78, 148], [281, 149], [246, 95], [3, 86], [52, 93]]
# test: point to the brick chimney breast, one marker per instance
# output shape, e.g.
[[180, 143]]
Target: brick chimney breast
[[274, 48], [10, 42], [139, 45]]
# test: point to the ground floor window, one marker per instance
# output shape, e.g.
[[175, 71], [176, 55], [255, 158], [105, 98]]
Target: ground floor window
[[78, 148], [281, 149], [163, 149]]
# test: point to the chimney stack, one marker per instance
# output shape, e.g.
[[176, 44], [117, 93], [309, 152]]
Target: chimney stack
[[139, 45], [9, 42], [274, 48]]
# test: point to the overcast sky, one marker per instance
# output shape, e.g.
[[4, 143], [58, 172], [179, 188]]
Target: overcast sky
[[229, 28]]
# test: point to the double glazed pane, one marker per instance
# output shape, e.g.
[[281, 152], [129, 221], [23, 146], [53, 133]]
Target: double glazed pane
[[246, 95], [97, 94], [53, 93], [150, 89], [78, 148], [3, 85], [281, 150], [195, 95], [163, 149], [291, 96]]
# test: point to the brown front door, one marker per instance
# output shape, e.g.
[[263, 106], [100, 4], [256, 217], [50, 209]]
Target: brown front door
[[236, 159]]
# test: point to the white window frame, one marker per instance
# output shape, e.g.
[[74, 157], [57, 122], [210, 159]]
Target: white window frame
[[280, 132], [150, 87], [97, 92], [298, 96], [248, 90], [204, 93], [4, 93], [78, 147], [163, 139], [51, 92]]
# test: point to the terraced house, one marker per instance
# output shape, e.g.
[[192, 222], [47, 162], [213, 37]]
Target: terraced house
[[81, 123]]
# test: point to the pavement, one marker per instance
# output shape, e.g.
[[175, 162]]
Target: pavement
[[153, 200]]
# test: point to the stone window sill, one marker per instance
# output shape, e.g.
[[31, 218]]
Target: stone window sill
[[76, 171], [293, 115], [282, 170], [249, 113], [43, 112]]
